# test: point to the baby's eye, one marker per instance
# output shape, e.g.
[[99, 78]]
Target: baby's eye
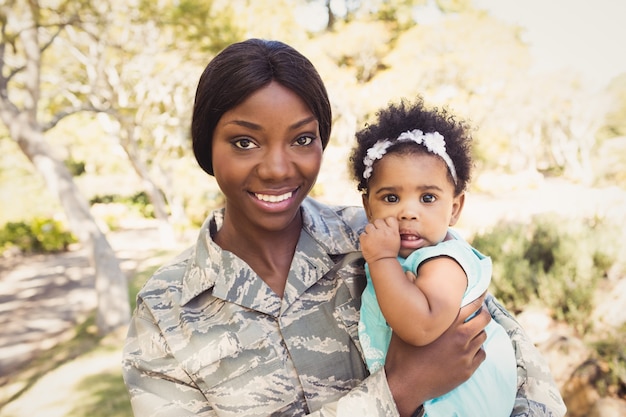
[[244, 143], [428, 198], [391, 198], [304, 140]]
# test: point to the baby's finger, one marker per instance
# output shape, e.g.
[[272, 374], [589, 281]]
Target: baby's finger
[[391, 222], [379, 223]]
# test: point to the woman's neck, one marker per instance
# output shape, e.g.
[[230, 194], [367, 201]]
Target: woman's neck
[[268, 253]]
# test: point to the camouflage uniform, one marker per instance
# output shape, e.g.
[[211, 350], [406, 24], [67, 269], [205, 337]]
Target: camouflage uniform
[[209, 337]]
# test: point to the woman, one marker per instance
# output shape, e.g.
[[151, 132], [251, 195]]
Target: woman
[[260, 317]]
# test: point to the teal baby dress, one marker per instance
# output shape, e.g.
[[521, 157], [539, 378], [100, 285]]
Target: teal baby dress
[[491, 391]]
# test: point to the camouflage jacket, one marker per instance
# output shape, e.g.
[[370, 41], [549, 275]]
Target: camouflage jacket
[[209, 338]]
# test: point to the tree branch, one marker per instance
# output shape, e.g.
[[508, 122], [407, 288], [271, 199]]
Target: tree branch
[[70, 111], [53, 36]]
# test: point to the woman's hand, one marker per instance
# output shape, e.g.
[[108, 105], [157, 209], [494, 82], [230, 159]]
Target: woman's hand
[[417, 374]]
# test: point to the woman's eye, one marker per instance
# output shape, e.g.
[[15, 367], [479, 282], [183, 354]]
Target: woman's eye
[[428, 198], [391, 198], [244, 143], [304, 140]]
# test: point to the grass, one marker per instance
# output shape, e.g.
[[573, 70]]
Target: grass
[[84, 372], [84, 341], [103, 395], [74, 364]]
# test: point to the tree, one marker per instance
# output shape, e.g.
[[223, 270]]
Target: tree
[[122, 77], [29, 31], [571, 133]]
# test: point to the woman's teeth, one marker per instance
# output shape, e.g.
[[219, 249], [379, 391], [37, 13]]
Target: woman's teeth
[[273, 198]]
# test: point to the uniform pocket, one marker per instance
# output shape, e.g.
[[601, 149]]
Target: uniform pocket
[[233, 354]]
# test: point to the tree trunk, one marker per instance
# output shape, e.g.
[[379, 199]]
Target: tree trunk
[[111, 285], [166, 229], [156, 197]]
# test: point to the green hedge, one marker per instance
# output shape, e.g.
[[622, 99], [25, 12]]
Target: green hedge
[[36, 236], [138, 201], [550, 262]]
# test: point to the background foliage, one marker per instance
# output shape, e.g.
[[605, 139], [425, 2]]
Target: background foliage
[[133, 66], [551, 263]]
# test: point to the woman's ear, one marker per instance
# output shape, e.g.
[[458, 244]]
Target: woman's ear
[[457, 208]]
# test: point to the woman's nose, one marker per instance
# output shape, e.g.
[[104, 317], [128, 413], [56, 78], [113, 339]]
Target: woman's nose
[[275, 164]]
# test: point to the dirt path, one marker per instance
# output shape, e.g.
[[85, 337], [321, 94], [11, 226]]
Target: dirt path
[[42, 297]]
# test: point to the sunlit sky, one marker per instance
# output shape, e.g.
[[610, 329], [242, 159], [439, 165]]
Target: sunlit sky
[[587, 36]]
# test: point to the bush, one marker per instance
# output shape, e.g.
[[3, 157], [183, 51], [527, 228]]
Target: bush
[[611, 357], [37, 236], [76, 168], [550, 262], [611, 354], [139, 202]]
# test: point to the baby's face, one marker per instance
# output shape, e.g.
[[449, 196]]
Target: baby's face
[[416, 190]]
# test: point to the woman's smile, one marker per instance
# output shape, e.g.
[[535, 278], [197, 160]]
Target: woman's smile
[[270, 198], [276, 203]]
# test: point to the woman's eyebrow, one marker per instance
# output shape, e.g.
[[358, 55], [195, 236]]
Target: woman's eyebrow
[[244, 123], [255, 126], [303, 122]]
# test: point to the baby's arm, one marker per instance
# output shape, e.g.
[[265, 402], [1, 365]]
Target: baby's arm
[[420, 311]]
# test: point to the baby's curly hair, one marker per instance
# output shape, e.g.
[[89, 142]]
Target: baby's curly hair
[[404, 116]]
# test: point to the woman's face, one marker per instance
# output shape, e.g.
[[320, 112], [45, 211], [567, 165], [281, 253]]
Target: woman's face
[[267, 153]]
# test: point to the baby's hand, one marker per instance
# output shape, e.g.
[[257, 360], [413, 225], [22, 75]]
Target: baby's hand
[[381, 239]]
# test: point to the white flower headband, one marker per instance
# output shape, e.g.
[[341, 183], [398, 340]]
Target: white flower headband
[[434, 143]]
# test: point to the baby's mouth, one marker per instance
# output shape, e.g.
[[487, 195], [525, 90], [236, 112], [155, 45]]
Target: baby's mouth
[[409, 236]]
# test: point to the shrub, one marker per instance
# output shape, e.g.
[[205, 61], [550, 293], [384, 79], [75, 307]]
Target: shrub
[[611, 354], [554, 263], [36, 236], [139, 202], [76, 168]]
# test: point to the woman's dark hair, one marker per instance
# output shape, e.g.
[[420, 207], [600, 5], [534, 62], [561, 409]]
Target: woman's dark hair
[[240, 70], [404, 116]]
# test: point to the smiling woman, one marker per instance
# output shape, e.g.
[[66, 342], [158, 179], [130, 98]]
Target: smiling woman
[[260, 316], [268, 153]]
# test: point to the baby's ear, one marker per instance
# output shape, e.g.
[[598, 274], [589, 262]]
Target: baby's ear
[[457, 208], [366, 205]]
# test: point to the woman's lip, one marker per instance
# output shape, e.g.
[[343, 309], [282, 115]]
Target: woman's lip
[[274, 198], [275, 202]]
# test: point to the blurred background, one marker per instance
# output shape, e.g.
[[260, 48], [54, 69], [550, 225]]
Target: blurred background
[[98, 185]]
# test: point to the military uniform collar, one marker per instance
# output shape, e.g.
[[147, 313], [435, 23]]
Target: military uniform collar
[[324, 233]]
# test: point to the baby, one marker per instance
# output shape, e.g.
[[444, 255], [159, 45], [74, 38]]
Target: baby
[[412, 166]]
